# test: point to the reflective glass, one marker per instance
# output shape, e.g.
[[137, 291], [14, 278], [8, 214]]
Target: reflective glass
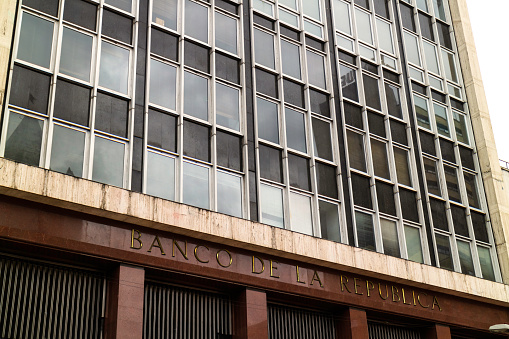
[[290, 3], [163, 84], [67, 150], [444, 252], [435, 83], [114, 70], [430, 169], [35, 40], [196, 96], [349, 82], [290, 58], [196, 185], [379, 153], [460, 125], [125, 5], [24, 138], [288, 17], [356, 150], [227, 106], [388, 61], [164, 12], [371, 92], [295, 130], [226, 33], [229, 194], [413, 244], [441, 119], [342, 16], [385, 36], [312, 8], [270, 163], [160, 176], [316, 69], [264, 48], [421, 4], [412, 48], [393, 100], [329, 221], [263, 7], [72, 102], [363, 26], [421, 109], [268, 126], [402, 168], [390, 237], [76, 54], [486, 263], [438, 5], [30, 89], [367, 53], [415, 74], [430, 52], [322, 139], [365, 232], [312, 28], [451, 179], [108, 162], [449, 66], [467, 265], [271, 201], [197, 21], [344, 42], [300, 213]]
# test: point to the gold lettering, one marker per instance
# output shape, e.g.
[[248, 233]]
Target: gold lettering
[[316, 278], [419, 300], [196, 254], [298, 275], [156, 239], [261, 261], [435, 302], [229, 255], [138, 239], [184, 253], [344, 284], [413, 297], [380, 292], [395, 294], [403, 294], [355, 285], [368, 284], [273, 268]]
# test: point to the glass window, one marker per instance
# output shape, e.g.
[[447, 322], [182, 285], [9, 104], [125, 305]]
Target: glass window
[[108, 162], [162, 130], [76, 54], [227, 68], [271, 200], [319, 103], [294, 93], [326, 180], [164, 44], [82, 13], [441, 119], [295, 130], [197, 21], [35, 40], [290, 58], [117, 26], [226, 33], [430, 52], [30, 89], [24, 138], [393, 100], [160, 176], [114, 71], [399, 132], [467, 266], [430, 169], [380, 164], [48, 6], [196, 96], [349, 82], [365, 232], [342, 16], [382, 8], [444, 35], [438, 5], [459, 220], [196, 141], [407, 17], [361, 191], [480, 227], [367, 53], [316, 69], [125, 5], [229, 150], [197, 56], [486, 263], [288, 17], [72, 102], [270, 163], [263, 7], [402, 168], [312, 28], [421, 4], [449, 66], [439, 215], [164, 12], [290, 3], [329, 220], [264, 48], [163, 84], [460, 125], [390, 237], [471, 186], [300, 213], [371, 92], [299, 172], [227, 106], [312, 8], [322, 139], [435, 82], [421, 109], [196, 185], [363, 21], [111, 114], [266, 83], [385, 195], [412, 48], [413, 244], [229, 194], [344, 42], [409, 204], [444, 252], [267, 114], [385, 36], [426, 26], [416, 74], [356, 150]]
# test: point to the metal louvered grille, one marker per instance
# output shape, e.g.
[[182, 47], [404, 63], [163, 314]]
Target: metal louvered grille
[[42, 301], [290, 323], [176, 313], [382, 331]]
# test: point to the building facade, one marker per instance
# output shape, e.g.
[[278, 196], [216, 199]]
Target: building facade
[[256, 169]]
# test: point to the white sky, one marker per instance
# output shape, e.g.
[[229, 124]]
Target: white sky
[[489, 19]]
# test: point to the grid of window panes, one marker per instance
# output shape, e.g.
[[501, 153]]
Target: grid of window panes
[[456, 202], [194, 116], [71, 88], [383, 179], [296, 128]]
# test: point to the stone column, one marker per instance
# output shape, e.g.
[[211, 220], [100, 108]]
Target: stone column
[[352, 324], [251, 315], [438, 332]]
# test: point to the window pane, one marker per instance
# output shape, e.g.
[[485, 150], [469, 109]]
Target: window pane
[[371, 92], [449, 66], [299, 172], [361, 191], [430, 170], [444, 35], [290, 58], [229, 151], [226, 33], [272, 205], [438, 214], [270, 163], [319, 103], [399, 133], [266, 83], [452, 183], [402, 168], [47, 6], [460, 125], [295, 130], [363, 26], [162, 130], [288, 17], [72, 103], [227, 106], [164, 12], [459, 220], [164, 44], [326, 177], [160, 176], [268, 126], [122, 4], [380, 164], [431, 57], [412, 48], [329, 221], [82, 13], [486, 263], [312, 28], [263, 7], [342, 17], [421, 4], [294, 93], [35, 40], [67, 151], [227, 68], [421, 109], [356, 150], [413, 244], [349, 82], [264, 48], [365, 233], [30, 89], [108, 162], [196, 96], [300, 214], [441, 119], [111, 114], [390, 237], [196, 56], [117, 26], [385, 36], [393, 100], [114, 70], [382, 8], [426, 26], [447, 148], [312, 8], [196, 185], [76, 54], [444, 252], [385, 195], [438, 5], [24, 137], [197, 21], [322, 139], [316, 70], [467, 266], [407, 17], [353, 115], [290, 3], [409, 204], [471, 186], [196, 141], [163, 84], [229, 194]]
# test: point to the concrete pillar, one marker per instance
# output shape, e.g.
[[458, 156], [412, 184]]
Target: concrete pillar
[[124, 311], [251, 315], [438, 332], [352, 324]]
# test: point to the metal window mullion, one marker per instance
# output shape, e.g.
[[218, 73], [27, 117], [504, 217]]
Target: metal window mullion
[[213, 110]]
